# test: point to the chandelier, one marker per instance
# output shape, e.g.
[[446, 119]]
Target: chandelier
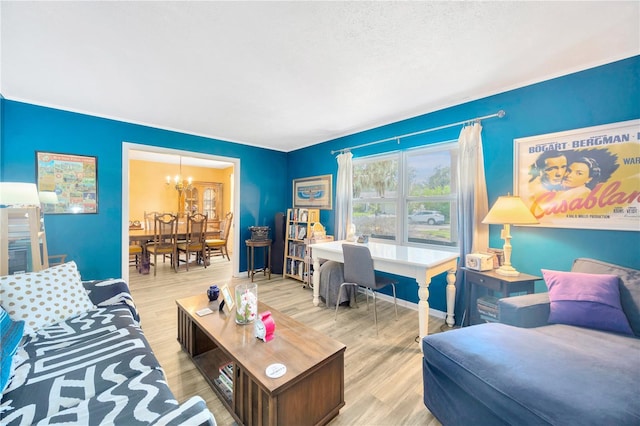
[[179, 183]]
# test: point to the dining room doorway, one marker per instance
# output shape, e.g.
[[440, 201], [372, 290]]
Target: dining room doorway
[[171, 168]]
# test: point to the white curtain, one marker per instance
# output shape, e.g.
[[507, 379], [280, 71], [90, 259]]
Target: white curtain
[[473, 204], [344, 192]]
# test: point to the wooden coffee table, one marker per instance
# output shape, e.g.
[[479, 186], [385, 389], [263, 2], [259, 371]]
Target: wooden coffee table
[[311, 392]]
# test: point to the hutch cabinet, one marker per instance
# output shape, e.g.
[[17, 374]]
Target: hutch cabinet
[[205, 198]]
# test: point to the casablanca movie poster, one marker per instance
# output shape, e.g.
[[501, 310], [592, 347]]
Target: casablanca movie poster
[[585, 178]]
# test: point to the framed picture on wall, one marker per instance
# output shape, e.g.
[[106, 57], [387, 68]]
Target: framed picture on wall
[[313, 192], [67, 183], [585, 178]]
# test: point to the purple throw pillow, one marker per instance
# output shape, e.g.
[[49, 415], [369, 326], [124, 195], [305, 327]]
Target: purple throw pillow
[[586, 300]]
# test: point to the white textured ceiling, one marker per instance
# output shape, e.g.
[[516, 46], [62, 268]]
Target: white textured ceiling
[[285, 75]]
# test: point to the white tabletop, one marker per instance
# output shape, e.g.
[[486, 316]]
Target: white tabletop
[[414, 256]]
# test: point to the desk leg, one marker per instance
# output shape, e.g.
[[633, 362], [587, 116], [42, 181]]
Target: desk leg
[[423, 307], [316, 281], [423, 296], [451, 297]]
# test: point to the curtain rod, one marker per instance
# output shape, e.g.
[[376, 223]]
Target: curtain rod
[[498, 114]]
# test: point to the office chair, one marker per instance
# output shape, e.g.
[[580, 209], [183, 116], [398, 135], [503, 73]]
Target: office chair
[[359, 272]]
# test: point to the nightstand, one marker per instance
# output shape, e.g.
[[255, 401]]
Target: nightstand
[[506, 285]]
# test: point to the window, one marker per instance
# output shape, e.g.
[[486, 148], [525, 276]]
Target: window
[[375, 196], [209, 203], [408, 197]]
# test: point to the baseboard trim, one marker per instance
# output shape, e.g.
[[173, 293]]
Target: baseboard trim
[[406, 304]]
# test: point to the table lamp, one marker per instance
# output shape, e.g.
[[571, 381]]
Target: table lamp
[[18, 194], [48, 197], [509, 210]]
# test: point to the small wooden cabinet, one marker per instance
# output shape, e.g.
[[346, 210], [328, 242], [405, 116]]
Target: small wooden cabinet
[[297, 229], [492, 281]]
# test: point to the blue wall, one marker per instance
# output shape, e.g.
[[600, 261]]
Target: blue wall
[[601, 95], [93, 240]]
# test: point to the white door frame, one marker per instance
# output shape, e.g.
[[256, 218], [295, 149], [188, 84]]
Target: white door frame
[[128, 146]]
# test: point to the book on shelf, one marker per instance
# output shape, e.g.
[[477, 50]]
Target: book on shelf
[[227, 369], [489, 312], [299, 215], [488, 301], [498, 259], [302, 232], [224, 389], [225, 380], [488, 308], [489, 318]]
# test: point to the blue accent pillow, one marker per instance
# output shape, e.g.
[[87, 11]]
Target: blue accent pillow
[[10, 336], [586, 300]]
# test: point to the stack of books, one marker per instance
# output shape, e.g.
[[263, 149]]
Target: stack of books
[[488, 308], [224, 381]]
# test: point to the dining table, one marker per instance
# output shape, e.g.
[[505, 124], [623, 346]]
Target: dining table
[[143, 235]]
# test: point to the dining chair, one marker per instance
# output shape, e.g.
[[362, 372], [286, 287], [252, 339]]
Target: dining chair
[[149, 219], [135, 254], [195, 241], [359, 272], [220, 244], [164, 239]]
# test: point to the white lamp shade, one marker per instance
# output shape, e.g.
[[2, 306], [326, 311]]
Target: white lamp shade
[[19, 194], [48, 197], [511, 210]]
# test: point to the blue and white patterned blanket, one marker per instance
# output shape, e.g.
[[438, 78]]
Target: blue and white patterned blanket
[[95, 368]]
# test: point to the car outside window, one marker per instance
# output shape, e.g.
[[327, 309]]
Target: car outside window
[[408, 197]]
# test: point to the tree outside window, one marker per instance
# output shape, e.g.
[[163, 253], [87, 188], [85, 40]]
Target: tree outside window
[[408, 197]]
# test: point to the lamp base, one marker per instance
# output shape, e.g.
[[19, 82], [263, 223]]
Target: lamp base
[[509, 271]]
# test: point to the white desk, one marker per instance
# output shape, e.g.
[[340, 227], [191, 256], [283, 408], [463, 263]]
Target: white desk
[[419, 263]]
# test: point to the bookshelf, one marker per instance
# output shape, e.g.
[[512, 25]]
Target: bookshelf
[[298, 229], [309, 258]]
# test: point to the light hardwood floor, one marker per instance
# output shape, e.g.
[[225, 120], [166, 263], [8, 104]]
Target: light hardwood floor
[[383, 374]]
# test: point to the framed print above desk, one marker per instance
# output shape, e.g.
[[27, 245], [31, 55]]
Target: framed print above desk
[[313, 192]]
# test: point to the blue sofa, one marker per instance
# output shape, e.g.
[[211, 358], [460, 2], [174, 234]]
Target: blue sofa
[[526, 371]]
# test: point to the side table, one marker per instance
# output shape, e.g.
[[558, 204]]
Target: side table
[[251, 247], [492, 281]]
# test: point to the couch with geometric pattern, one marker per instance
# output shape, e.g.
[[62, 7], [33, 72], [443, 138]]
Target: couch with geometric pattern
[[92, 368]]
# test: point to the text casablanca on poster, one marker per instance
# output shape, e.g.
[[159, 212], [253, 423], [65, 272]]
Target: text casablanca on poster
[[583, 178]]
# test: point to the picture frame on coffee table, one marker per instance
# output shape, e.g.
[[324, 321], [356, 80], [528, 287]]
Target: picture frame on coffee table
[[229, 303]]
